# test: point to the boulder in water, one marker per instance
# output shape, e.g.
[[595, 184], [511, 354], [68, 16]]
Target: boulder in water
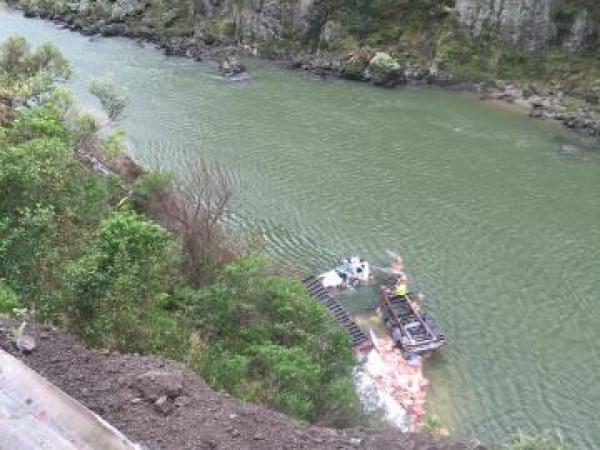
[[569, 150], [230, 66]]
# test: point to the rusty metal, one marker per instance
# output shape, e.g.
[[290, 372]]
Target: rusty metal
[[357, 336]]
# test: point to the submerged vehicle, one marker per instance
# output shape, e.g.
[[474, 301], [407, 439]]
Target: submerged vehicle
[[413, 332], [349, 272]]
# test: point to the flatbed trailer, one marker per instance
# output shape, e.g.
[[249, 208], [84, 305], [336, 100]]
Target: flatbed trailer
[[412, 331]]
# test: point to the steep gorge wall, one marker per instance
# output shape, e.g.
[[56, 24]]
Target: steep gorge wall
[[531, 24], [252, 20]]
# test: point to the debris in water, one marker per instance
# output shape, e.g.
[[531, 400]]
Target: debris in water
[[388, 383]]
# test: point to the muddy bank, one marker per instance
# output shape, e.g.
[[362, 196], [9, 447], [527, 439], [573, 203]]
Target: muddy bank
[[161, 405]]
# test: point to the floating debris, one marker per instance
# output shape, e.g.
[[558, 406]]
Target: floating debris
[[388, 383]]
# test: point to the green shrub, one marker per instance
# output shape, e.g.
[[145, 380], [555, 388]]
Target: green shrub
[[48, 204], [30, 258], [114, 144], [117, 279], [40, 122], [112, 97], [25, 73], [8, 299], [227, 371], [280, 347], [151, 183], [122, 289]]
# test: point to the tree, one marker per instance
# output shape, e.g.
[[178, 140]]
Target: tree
[[25, 73], [196, 211], [112, 98]]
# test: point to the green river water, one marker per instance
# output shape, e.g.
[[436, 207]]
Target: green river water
[[500, 231]]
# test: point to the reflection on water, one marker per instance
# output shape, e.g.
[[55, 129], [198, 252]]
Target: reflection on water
[[497, 227]]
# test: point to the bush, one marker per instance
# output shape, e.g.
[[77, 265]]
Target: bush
[[122, 281], [48, 204], [384, 68], [8, 299], [112, 98], [30, 257], [125, 288], [151, 185], [356, 64], [279, 346]]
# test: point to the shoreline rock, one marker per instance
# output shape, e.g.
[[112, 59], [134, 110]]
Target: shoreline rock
[[548, 105], [379, 69]]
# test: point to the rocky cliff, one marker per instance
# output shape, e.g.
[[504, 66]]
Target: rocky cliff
[[149, 19], [532, 24], [251, 20]]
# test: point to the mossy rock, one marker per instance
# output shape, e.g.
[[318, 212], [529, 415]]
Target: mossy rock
[[356, 64], [385, 70]]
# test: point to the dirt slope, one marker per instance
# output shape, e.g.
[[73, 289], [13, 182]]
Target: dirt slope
[[162, 406]]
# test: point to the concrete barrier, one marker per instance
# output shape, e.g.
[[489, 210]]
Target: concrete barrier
[[35, 414]]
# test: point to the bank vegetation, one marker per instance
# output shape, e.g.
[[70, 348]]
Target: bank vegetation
[[140, 261]]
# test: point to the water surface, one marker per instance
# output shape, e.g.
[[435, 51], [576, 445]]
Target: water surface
[[498, 229]]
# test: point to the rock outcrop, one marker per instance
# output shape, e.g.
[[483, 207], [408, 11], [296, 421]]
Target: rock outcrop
[[250, 21], [524, 22], [145, 19], [549, 104], [532, 24]]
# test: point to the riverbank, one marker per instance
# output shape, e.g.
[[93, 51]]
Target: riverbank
[[546, 103], [161, 405], [558, 101], [135, 262]]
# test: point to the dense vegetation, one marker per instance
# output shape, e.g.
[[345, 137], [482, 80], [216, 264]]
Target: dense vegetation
[[79, 249]]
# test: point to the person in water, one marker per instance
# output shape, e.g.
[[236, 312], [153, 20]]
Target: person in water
[[400, 289], [397, 264]]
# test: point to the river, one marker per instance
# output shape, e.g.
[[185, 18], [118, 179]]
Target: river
[[500, 231]]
